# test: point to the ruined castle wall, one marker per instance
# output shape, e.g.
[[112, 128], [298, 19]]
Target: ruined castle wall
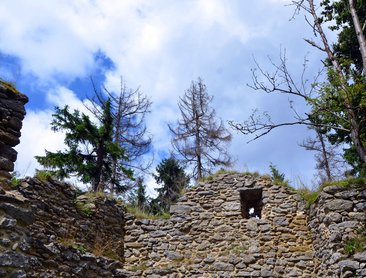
[[338, 220], [12, 113], [207, 235], [46, 230], [71, 234]]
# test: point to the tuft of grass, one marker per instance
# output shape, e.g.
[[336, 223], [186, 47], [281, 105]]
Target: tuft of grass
[[85, 208], [43, 175], [140, 267], [140, 214], [223, 171], [9, 85], [348, 182], [81, 248], [307, 195], [356, 244], [15, 181], [105, 249]]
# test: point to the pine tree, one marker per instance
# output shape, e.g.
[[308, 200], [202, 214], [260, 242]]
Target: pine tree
[[91, 149]]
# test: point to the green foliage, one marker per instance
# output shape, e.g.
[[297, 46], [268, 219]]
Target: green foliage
[[172, 178], [85, 207], [141, 214], [90, 152], [140, 267], [15, 181], [141, 198], [44, 175], [349, 182], [341, 103], [311, 196], [357, 243], [81, 248], [307, 195], [278, 178]]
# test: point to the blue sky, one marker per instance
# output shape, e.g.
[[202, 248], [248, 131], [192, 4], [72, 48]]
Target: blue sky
[[50, 48]]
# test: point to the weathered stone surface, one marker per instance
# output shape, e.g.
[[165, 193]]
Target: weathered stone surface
[[14, 259], [180, 209], [348, 265], [18, 213], [361, 257], [339, 205]]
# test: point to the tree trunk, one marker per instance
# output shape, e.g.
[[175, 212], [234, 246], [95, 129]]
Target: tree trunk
[[360, 36], [355, 128], [325, 155], [98, 179]]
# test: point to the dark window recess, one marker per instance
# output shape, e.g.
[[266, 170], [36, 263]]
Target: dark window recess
[[251, 202]]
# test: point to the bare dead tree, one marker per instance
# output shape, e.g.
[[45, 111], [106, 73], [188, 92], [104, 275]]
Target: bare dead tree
[[129, 109], [198, 137]]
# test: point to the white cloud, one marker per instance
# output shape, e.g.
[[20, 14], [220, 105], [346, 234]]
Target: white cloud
[[37, 135]]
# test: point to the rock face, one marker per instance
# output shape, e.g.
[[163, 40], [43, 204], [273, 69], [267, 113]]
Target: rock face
[[213, 232], [336, 220], [46, 230], [12, 113]]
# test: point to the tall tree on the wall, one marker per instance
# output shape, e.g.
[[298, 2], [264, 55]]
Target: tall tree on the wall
[[199, 138], [90, 148], [129, 109], [172, 178]]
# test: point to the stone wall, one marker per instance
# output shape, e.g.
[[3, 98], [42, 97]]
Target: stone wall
[[337, 219], [47, 230], [11, 115], [208, 234]]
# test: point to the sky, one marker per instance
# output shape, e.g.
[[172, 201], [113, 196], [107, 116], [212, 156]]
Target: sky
[[49, 49]]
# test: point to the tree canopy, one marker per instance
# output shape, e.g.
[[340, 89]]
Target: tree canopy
[[172, 178], [198, 137], [90, 148]]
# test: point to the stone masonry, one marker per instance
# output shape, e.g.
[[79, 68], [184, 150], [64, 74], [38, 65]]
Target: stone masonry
[[214, 233], [338, 217], [11, 115]]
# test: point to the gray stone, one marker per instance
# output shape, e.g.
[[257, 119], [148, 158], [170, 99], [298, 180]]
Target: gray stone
[[8, 223], [14, 259], [18, 274], [339, 205], [348, 265], [332, 217], [52, 248], [282, 221], [206, 193], [266, 273], [232, 206], [221, 266], [18, 213], [172, 255], [361, 257], [331, 189], [180, 209], [248, 259], [158, 233]]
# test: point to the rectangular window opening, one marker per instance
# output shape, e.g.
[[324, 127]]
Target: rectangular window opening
[[251, 203]]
